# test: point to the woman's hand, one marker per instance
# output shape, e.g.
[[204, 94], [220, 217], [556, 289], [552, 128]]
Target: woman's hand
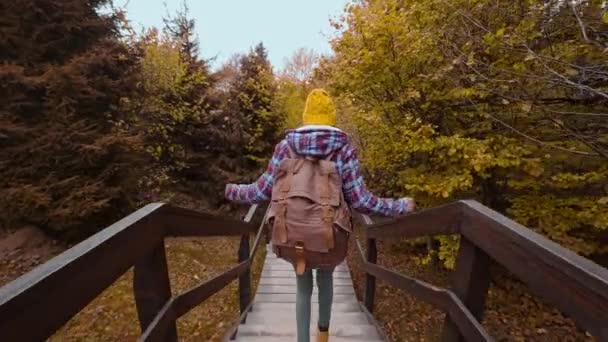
[[410, 205]]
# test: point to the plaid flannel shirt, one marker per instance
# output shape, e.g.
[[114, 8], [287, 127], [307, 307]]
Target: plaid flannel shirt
[[320, 142]]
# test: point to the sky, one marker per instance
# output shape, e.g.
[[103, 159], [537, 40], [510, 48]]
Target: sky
[[226, 27]]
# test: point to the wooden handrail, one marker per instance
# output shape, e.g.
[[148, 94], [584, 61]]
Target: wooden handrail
[[245, 296], [258, 237], [575, 285], [183, 303], [48, 296], [440, 298], [441, 220], [181, 222]]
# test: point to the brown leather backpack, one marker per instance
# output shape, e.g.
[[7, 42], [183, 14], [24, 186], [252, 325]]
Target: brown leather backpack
[[309, 217]]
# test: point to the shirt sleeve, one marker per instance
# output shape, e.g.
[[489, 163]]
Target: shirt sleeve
[[261, 190], [357, 194]]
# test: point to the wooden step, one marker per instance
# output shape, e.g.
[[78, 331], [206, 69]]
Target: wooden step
[[292, 274], [270, 318], [291, 298], [292, 289], [293, 339], [292, 281], [287, 308], [358, 332]]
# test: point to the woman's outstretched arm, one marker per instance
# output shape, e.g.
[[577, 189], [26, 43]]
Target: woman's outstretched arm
[[360, 198], [260, 190]]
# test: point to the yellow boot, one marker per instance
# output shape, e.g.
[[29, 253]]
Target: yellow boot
[[323, 336]]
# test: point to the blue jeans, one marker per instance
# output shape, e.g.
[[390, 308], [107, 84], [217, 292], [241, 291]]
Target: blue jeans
[[303, 298]]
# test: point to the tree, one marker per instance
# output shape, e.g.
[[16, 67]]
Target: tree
[[299, 68], [224, 78], [252, 94], [181, 28], [502, 101], [67, 161], [293, 85], [194, 146], [290, 101]]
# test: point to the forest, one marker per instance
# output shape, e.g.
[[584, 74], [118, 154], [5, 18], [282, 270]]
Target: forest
[[500, 101]]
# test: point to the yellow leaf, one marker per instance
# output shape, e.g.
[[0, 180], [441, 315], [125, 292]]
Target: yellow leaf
[[413, 94]]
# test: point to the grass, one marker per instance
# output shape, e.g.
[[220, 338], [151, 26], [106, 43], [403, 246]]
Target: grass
[[112, 315]]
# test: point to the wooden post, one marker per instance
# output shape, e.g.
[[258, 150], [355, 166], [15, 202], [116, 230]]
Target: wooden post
[[245, 278], [370, 280], [470, 282], [152, 289]]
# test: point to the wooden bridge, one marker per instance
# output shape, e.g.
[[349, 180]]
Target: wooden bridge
[[37, 304], [272, 317]]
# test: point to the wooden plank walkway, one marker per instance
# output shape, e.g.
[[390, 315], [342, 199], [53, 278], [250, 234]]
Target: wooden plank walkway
[[273, 313]]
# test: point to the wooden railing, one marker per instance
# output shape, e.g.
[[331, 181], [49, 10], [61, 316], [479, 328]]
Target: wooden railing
[[574, 285], [37, 304]]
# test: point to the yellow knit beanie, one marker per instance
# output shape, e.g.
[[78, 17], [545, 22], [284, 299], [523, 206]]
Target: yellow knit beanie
[[319, 109]]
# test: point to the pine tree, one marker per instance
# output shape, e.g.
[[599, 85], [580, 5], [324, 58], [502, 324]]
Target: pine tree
[[66, 163], [252, 95], [194, 146], [181, 28]]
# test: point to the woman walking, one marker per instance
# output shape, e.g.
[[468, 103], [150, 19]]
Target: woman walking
[[313, 180]]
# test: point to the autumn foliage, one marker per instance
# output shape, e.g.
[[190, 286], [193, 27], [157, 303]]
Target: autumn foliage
[[64, 164], [503, 101], [499, 101], [97, 119]]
